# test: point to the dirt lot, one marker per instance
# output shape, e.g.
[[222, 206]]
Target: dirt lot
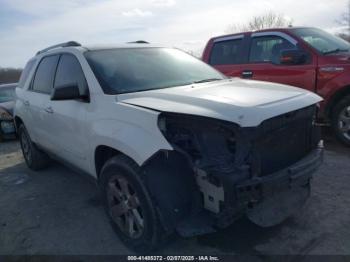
[[57, 211]]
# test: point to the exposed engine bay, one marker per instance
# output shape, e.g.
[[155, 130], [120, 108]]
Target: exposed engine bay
[[230, 163]]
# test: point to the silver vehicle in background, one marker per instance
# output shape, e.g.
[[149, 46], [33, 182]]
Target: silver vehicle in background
[[7, 103]]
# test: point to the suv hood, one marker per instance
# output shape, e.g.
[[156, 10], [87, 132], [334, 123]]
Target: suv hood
[[245, 102]]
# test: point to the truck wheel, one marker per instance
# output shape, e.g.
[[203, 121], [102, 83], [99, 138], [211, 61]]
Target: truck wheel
[[341, 120], [129, 205], [35, 159]]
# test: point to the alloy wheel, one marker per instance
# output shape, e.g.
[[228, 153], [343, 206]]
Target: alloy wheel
[[124, 206], [344, 122]]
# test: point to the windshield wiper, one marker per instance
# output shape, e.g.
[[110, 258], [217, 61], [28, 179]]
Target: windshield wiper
[[207, 80], [337, 50]]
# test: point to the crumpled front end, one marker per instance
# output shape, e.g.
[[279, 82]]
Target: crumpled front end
[[262, 171]]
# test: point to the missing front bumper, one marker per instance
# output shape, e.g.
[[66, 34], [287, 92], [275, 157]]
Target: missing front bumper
[[270, 199], [294, 176]]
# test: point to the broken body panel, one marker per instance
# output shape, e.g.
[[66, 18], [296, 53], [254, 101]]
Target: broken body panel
[[228, 170], [207, 152]]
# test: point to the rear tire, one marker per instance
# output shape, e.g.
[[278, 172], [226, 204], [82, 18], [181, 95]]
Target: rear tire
[[341, 120], [129, 206], [35, 159]]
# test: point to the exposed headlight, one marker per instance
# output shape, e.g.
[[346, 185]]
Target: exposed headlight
[[210, 141], [4, 115]]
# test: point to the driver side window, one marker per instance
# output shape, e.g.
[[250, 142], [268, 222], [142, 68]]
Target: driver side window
[[69, 72], [268, 48]]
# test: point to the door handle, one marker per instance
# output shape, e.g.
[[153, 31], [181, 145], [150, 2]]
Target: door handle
[[49, 110], [247, 74], [26, 103]]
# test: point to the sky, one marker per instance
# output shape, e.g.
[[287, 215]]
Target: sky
[[28, 26]]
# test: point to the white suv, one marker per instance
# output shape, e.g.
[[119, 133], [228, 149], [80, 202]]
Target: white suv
[[174, 145]]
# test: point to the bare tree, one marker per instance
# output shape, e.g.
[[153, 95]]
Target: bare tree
[[346, 37], [267, 20], [345, 21]]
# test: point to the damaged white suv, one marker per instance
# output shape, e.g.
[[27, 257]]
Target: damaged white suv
[[174, 145]]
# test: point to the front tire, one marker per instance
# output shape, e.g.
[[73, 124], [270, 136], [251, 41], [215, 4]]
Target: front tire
[[35, 159], [129, 205], [341, 120]]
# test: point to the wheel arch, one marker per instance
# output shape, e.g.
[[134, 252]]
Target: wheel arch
[[335, 98], [18, 122], [169, 178], [102, 154]]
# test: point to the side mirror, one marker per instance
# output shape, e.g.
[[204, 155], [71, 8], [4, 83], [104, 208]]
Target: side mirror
[[293, 57], [66, 92]]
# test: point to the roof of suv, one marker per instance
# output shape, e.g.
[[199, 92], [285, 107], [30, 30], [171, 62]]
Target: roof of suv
[[127, 45], [74, 44]]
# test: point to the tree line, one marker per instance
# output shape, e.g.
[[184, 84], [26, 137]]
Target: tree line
[[9, 75]]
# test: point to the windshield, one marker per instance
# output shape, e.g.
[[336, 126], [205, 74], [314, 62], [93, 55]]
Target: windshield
[[7, 94], [126, 70], [322, 41]]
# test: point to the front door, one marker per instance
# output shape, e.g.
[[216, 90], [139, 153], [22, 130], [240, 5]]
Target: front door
[[66, 119], [263, 62]]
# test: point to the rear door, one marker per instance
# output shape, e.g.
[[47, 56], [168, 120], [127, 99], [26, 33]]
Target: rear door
[[35, 99], [263, 62], [22, 103], [227, 53]]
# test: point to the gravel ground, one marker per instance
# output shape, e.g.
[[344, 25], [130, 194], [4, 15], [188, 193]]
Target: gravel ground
[[58, 212]]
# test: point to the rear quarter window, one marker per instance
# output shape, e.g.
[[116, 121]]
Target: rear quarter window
[[25, 73]]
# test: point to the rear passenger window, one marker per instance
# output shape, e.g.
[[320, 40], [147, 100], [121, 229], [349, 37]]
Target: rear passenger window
[[25, 73], [226, 52], [43, 80], [268, 48], [70, 72]]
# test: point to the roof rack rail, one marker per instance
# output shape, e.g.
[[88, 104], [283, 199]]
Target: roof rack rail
[[139, 42], [66, 44]]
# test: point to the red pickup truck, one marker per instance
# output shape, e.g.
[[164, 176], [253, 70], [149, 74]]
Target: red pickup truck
[[308, 58]]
